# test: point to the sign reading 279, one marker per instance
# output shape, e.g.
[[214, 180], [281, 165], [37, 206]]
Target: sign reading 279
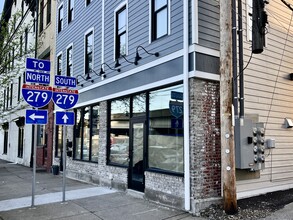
[[36, 95], [65, 98]]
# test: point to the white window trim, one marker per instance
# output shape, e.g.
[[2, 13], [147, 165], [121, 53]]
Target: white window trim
[[70, 45], [58, 16], [121, 5], [151, 22], [248, 20], [84, 46], [60, 53], [194, 9]]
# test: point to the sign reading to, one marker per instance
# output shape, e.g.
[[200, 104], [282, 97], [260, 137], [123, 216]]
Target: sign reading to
[[64, 118], [37, 65], [36, 116], [65, 98], [36, 77], [176, 108], [65, 81], [36, 95]]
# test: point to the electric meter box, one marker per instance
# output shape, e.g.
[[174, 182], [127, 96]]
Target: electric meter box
[[249, 145]]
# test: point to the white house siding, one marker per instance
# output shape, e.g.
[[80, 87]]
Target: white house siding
[[269, 95], [16, 110]]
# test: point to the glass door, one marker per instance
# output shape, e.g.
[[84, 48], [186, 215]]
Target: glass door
[[136, 155]]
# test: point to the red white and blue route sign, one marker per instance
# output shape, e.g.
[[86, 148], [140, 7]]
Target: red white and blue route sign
[[65, 98], [36, 95]]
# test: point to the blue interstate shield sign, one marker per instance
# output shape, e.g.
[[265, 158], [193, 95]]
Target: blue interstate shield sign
[[176, 108], [65, 98], [36, 95]]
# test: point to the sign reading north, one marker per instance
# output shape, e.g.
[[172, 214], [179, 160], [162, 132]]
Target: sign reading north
[[36, 77], [64, 118], [36, 116], [36, 95], [65, 98], [65, 81], [37, 65]]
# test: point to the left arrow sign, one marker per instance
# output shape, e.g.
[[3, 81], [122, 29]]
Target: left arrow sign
[[36, 116]]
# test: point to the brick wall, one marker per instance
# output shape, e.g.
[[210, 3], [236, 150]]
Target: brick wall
[[205, 143]]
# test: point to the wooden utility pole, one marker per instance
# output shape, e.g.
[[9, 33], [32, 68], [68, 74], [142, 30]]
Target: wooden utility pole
[[227, 135]]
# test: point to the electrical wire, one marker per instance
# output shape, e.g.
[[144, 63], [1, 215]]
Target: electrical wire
[[277, 77]]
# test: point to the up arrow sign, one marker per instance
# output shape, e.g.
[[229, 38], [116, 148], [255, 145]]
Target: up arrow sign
[[64, 118]]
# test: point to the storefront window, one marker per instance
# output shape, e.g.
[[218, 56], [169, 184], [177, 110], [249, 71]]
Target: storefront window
[[95, 133], [139, 105], [166, 129], [87, 134], [119, 131]]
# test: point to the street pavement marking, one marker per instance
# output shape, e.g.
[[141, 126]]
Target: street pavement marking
[[10, 204]]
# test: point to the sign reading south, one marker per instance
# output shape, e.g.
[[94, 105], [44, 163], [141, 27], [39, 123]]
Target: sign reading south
[[65, 98], [36, 77], [64, 118], [33, 116], [36, 95], [65, 81], [37, 65]]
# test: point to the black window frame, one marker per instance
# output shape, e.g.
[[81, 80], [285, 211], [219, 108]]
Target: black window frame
[[87, 2], [11, 94], [59, 64], [5, 142], [19, 89], [20, 142], [70, 10], [154, 14], [25, 40], [60, 18], [41, 16], [80, 157], [108, 145], [49, 12], [69, 61], [89, 53], [120, 33], [58, 128]]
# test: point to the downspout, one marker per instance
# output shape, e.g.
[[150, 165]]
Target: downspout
[[186, 107], [103, 32], [234, 57], [241, 77]]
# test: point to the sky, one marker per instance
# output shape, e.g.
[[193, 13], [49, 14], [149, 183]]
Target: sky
[[1, 5]]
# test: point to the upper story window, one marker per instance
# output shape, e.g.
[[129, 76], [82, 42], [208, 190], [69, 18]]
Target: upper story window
[[41, 16], [20, 45], [87, 2], [88, 52], [59, 64], [49, 5], [25, 40], [120, 32], [60, 18], [69, 68], [160, 16], [70, 10]]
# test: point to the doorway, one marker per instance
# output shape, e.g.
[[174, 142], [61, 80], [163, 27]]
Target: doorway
[[136, 154]]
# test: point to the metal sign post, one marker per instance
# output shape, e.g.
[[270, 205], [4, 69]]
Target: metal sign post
[[64, 164]]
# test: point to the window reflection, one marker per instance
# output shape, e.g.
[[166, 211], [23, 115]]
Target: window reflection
[[119, 131], [165, 129], [95, 133]]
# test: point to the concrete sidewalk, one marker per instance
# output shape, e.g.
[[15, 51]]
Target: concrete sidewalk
[[83, 200]]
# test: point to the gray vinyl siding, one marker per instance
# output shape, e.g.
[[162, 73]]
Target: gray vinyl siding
[[209, 24]]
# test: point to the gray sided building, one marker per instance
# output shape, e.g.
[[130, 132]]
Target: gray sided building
[[147, 118]]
